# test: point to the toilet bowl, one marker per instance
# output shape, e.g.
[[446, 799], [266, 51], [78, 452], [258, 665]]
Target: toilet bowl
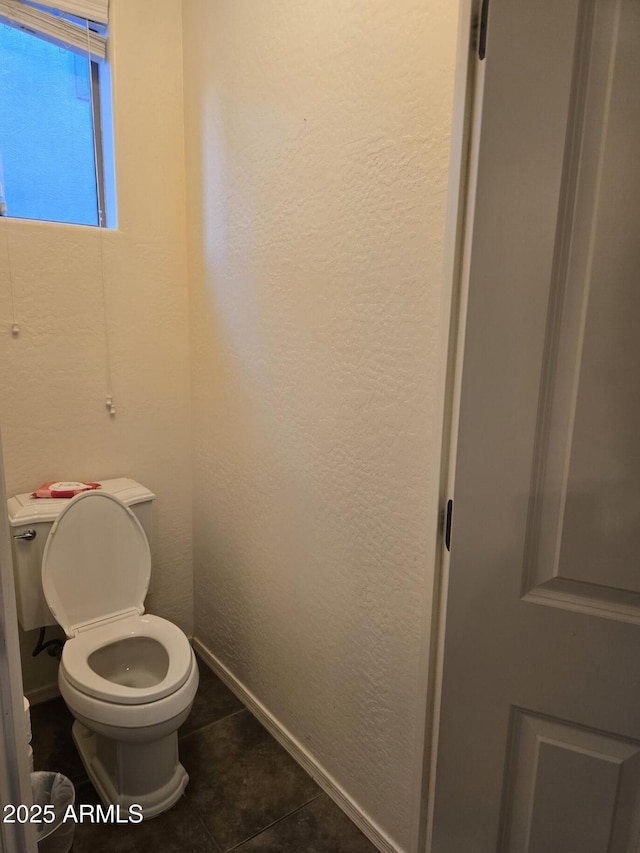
[[128, 678]]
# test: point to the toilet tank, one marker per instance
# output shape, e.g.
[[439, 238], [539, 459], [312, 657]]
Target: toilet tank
[[39, 514]]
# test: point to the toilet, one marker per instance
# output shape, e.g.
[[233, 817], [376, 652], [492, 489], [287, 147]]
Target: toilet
[[128, 678]]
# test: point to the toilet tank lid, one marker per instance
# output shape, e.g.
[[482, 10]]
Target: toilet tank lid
[[23, 509]]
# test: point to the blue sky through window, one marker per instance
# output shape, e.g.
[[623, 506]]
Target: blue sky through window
[[46, 131]]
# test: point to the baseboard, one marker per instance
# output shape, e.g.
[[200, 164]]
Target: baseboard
[[299, 753], [42, 694]]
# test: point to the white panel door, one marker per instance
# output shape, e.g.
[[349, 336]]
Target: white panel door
[[15, 780], [539, 749]]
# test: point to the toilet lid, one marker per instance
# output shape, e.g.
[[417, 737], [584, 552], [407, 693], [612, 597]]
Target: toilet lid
[[96, 562]]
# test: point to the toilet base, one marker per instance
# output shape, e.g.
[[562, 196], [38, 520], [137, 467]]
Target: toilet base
[[123, 773]]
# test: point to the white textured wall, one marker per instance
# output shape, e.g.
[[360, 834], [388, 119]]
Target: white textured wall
[[52, 377], [317, 157]]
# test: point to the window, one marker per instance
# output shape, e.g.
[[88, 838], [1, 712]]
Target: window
[[52, 151]]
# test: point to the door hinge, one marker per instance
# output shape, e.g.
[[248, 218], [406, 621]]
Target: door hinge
[[482, 35], [448, 518]]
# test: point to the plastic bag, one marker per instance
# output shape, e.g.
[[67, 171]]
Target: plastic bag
[[53, 789]]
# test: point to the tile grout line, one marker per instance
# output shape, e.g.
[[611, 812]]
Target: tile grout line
[[213, 723], [275, 822], [217, 847]]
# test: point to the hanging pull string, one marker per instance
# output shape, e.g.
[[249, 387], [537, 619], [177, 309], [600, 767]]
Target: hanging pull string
[[100, 197], [15, 328]]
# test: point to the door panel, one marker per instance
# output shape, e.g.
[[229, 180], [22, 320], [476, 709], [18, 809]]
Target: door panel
[[584, 539], [569, 789], [540, 718]]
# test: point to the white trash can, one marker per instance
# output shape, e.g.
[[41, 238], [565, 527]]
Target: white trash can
[[53, 789]]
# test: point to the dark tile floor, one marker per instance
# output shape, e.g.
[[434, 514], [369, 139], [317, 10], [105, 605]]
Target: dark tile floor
[[245, 792]]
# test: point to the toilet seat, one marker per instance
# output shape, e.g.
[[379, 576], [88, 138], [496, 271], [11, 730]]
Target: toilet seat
[[96, 564], [76, 653], [95, 574]]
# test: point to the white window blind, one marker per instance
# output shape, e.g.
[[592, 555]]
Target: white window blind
[[92, 10], [79, 25]]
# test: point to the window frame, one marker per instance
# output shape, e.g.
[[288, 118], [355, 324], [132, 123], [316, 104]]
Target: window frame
[[98, 143], [96, 53]]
